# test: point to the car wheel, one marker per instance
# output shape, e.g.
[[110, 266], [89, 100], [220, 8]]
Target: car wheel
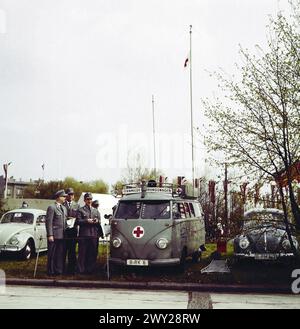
[[27, 251]]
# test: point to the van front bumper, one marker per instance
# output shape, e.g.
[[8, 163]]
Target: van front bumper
[[156, 262]]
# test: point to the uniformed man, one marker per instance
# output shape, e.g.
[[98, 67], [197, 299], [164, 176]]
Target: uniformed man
[[71, 231], [55, 226], [88, 219], [96, 204]]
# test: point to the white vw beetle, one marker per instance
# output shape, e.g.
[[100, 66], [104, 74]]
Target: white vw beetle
[[23, 231]]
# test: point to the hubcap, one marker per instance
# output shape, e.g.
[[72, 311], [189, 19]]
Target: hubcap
[[27, 252]]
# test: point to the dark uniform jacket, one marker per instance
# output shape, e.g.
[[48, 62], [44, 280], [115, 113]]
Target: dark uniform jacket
[[86, 229], [72, 209], [72, 212], [56, 221]]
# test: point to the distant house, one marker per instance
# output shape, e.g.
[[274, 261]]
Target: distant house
[[15, 188]]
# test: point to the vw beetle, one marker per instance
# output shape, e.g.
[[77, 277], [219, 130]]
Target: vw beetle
[[263, 236], [23, 232]]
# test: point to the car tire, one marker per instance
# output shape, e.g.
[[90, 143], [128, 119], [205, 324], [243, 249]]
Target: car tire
[[28, 251]]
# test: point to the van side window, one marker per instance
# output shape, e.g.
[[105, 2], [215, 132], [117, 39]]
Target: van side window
[[187, 210], [192, 209], [197, 209], [181, 210], [176, 211]]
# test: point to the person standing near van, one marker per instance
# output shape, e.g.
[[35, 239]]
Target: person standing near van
[[96, 204], [88, 219], [71, 231], [55, 226]]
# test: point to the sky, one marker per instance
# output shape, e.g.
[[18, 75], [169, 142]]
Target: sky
[[77, 79]]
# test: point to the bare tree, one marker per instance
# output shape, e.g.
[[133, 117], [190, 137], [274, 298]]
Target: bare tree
[[136, 170], [257, 125]]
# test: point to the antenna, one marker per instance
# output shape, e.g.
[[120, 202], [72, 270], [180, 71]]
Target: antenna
[[191, 102], [154, 142]]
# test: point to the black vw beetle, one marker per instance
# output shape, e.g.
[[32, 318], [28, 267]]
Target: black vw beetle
[[263, 236]]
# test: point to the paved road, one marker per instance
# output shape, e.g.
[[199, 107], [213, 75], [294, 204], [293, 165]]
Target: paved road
[[39, 297]]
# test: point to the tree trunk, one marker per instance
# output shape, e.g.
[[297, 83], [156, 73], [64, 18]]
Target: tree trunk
[[294, 206], [287, 224]]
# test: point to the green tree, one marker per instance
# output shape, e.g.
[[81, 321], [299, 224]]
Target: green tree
[[46, 190]]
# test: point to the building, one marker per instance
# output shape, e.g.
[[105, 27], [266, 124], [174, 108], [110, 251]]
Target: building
[[15, 188]]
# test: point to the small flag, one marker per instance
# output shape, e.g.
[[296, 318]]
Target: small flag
[[160, 181], [187, 60]]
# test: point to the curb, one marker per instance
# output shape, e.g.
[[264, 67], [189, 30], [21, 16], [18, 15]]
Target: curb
[[283, 289]]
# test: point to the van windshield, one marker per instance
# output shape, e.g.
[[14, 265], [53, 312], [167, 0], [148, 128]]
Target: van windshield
[[144, 210], [128, 210], [156, 210]]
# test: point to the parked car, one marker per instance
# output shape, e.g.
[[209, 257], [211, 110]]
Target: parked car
[[23, 231], [263, 236]]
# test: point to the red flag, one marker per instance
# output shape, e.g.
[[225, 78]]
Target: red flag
[[186, 62], [160, 181]]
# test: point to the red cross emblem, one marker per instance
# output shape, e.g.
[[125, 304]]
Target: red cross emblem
[[138, 232]]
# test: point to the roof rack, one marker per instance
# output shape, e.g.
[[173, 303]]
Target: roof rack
[[156, 187], [150, 187]]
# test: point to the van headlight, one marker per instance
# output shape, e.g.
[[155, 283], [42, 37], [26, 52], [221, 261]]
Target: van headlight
[[116, 242], [162, 243], [244, 242], [14, 241]]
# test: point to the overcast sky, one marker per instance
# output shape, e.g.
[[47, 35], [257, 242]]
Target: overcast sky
[[77, 77]]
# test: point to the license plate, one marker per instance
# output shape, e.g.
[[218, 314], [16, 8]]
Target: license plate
[[137, 262], [265, 256]]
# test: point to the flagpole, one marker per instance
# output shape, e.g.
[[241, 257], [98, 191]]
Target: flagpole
[[154, 146], [43, 168], [191, 102]]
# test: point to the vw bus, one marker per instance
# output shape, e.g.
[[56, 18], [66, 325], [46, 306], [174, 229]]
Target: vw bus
[[155, 226]]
